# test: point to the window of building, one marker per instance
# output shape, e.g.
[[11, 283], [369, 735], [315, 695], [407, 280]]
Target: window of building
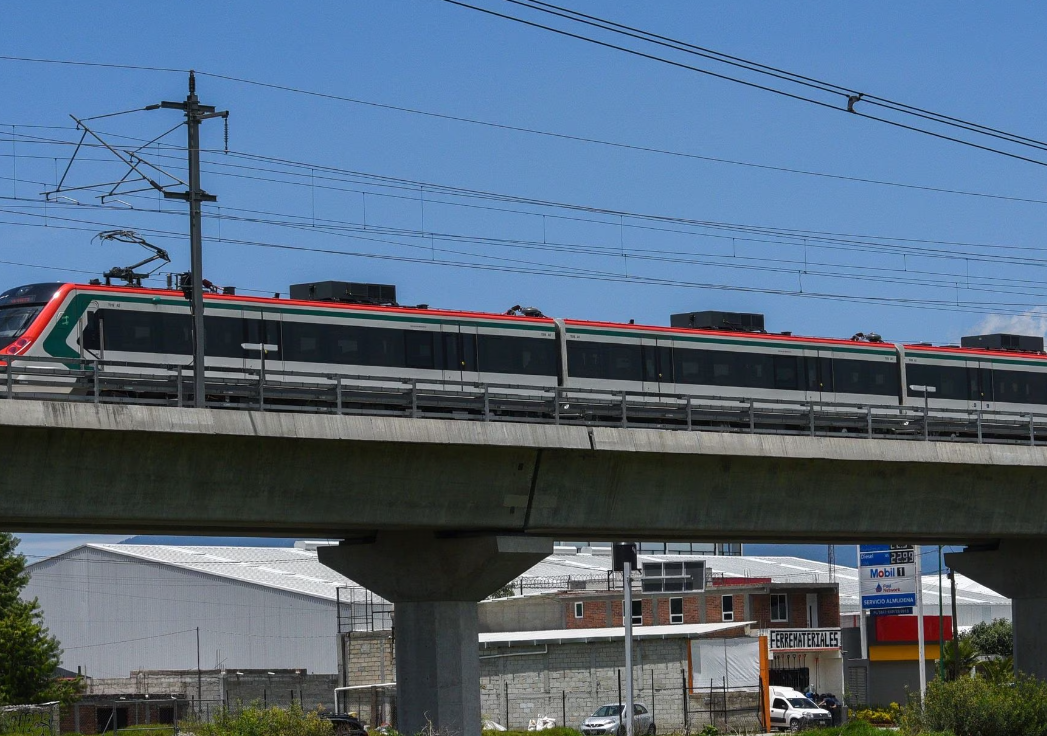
[[727, 607], [165, 715], [676, 610], [110, 719], [779, 607], [579, 609], [637, 613]]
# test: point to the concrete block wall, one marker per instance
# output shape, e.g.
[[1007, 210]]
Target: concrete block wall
[[582, 676], [212, 690], [368, 657]]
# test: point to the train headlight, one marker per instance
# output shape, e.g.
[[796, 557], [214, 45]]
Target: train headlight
[[18, 347]]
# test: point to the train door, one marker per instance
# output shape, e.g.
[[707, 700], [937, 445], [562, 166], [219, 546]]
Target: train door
[[261, 341], [657, 357], [979, 380], [449, 352], [89, 334], [467, 358], [820, 384]]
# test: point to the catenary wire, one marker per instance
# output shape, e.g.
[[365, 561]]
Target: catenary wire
[[944, 120], [533, 131]]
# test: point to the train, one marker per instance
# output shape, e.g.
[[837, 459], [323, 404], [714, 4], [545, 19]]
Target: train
[[87, 322]]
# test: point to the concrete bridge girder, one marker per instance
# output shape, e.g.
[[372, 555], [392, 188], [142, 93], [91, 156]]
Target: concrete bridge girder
[[139, 469], [134, 469]]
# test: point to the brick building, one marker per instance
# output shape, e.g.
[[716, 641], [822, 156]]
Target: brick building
[[767, 604]]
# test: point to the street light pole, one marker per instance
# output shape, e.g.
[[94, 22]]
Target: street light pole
[[927, 391], [628, 584]]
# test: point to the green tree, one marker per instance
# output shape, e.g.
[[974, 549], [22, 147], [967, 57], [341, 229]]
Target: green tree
[[29, 655], [967, 659], [994, 639]]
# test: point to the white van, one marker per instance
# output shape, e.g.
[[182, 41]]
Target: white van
[[791, 709]]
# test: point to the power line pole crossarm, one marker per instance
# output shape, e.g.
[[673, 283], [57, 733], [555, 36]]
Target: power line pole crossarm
[[195, 113]]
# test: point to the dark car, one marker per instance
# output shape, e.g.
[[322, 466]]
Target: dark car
[[345, 724]]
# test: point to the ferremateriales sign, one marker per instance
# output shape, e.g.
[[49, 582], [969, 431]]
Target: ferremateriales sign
[[780, 640]]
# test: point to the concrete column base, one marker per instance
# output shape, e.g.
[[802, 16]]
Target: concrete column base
[[435, 583], [1015, 568]]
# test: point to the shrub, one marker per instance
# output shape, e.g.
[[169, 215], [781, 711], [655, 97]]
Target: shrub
[[879, 716], [256, 721], [973, 706]]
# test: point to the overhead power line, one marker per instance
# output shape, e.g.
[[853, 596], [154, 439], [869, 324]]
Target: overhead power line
[[571, 273], [306, 174], [850, 98], [530, 130]]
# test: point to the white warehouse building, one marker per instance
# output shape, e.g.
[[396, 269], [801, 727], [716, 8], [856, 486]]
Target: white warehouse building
[[117, 608], [120, 608]]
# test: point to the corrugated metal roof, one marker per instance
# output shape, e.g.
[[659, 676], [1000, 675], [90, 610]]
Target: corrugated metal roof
[[299, 571], [613, 633], [285, 568], [780, 570]]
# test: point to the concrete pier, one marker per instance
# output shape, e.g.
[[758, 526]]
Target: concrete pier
[[1018, 570], [435, 583]]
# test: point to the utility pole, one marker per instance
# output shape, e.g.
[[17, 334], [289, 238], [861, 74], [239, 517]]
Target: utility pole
[[199, 674], [955, 627], [920, 633], [195, 113], [624, 560], [941, 620]]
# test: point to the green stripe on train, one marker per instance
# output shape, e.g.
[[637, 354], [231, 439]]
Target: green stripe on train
[[56, 342], [703, 339]]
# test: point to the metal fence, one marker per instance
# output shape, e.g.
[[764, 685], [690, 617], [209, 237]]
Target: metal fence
[[675, 707], [121, 382]]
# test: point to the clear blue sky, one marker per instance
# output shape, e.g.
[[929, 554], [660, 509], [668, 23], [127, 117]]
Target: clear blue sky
[[977, 62]]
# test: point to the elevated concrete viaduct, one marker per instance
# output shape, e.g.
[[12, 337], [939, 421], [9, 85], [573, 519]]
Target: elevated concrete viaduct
[[438, 514]]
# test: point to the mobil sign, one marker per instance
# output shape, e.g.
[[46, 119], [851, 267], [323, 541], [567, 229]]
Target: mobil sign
[[887, 576]]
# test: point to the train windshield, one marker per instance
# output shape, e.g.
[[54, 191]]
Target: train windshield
[[14, 321]]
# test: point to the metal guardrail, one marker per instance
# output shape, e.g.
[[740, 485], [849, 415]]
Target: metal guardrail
[[121, 382]]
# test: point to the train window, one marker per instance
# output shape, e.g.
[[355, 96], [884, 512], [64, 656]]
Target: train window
[[608, 361], [1019, 387], [786, 372], [865, 377], [724, 370], [384, 347], [757, 370], [139, 332], [418, 349], [949, 381], [532, 356], [304, 342], [687, 366], [224, 337]]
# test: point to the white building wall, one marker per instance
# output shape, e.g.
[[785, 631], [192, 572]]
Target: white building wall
[[115, 614]]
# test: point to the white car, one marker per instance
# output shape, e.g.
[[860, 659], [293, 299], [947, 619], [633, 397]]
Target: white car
[[791, 709], [607, 720]]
